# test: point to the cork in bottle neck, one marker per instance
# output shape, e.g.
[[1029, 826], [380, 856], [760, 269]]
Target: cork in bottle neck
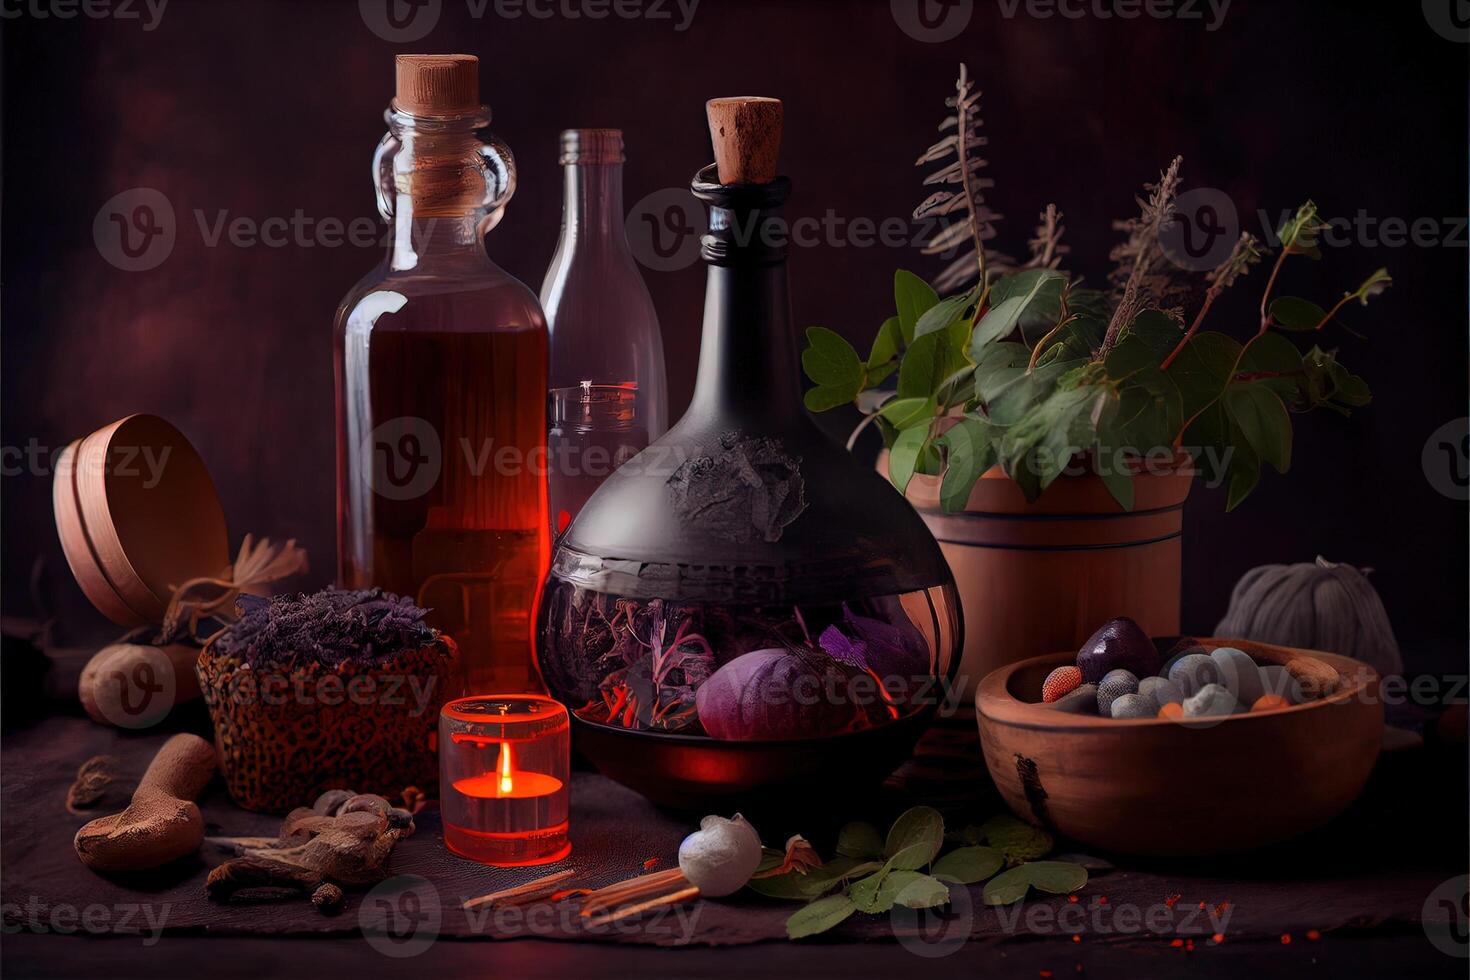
[[437, 85], [746, 132]]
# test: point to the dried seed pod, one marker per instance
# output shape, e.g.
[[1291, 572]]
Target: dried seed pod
[[100, 782], [328, 897]]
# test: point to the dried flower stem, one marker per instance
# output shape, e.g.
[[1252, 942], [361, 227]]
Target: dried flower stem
[[962, 90], [638, 909], [539, 884]]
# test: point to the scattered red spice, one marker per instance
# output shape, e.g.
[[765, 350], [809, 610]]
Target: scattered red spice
[[1201, 905], [1218, 937], [1072, 899], [1177, 943], [1313, 935], [1220, 909], [1286, 939], [1046, 973], [1173, 900], [1189, 946], [1076, 938], [1102, 899], [650, 864]]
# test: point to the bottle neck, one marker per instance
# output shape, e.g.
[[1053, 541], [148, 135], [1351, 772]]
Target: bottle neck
[[438, 241], [442, 184], [747, 357], [747, 354], [592, 209]]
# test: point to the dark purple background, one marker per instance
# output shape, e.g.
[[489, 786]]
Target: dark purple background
[[263, 108]]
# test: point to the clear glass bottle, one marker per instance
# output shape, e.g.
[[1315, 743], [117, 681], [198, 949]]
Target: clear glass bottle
[[441, 362], [608, 390]]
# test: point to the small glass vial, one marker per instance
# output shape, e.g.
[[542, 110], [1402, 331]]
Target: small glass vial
[[504, 777]]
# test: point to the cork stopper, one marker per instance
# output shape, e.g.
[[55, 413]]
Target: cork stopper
[[746, 132], [437, 84]]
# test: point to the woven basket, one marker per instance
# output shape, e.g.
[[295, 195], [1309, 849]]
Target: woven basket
[[284, 736]]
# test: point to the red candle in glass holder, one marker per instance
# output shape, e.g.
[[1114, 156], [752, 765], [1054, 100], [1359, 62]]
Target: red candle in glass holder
[[504, 766]]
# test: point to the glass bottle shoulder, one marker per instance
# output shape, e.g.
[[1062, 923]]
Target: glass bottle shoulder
[[479, 299]]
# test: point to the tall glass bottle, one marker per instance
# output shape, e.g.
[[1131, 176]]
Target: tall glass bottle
[[441, 362], [608, 390]]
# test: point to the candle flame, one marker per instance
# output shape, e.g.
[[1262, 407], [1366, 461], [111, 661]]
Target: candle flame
[[504, 765]]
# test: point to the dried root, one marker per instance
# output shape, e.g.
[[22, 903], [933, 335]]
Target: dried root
[[343, 839]]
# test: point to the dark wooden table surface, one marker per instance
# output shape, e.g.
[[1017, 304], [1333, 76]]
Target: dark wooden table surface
[[1349, 897]]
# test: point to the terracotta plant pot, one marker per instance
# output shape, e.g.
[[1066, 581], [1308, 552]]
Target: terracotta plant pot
[[1040, 576], [1157, 787]]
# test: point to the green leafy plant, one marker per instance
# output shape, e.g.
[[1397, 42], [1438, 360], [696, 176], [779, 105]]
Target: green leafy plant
[[1029, 370], [872, 873]]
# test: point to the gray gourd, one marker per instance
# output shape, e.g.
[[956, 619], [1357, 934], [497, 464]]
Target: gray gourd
[[1319, 605]]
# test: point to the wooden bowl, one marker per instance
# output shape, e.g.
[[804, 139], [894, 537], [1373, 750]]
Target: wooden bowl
[[138, 515], [1156, 787]]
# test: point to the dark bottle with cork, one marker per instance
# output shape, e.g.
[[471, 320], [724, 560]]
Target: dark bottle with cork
[[441, 370], [746, 610]]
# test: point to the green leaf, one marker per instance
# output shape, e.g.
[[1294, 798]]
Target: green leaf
[[796, 886], [1295, 313], [1044, 441], [878, 893], [1008, 887], [1129, 356], [819, 916], [1002, 318], [922, 892], [918, 831], [1044, 309], [1326, 383], [903, 457], [967, 865], [1078, 339], [1156, 330], [1300, 231], [859, 839], [1053, 877], [905, 413], [930, 361], [1374, 285], [877, 375], [944, 314], [1263, 420], [886, 344], [824, 398], [912, 297], [969, 452], [1150, 413], [1202, 370], [999, 365], [1119, 482], [1017, 840], [830, 360], [1056, 877], [1273, 361]]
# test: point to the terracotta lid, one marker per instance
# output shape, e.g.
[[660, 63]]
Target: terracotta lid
[[138, 515]]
